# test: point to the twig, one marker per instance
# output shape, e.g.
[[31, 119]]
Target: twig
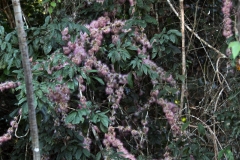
[[17, 129], [219, 73], [214, 137], [195, 34], [214, 123], [97, 139]]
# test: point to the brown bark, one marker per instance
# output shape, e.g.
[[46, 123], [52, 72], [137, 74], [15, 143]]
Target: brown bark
[[28, 78]]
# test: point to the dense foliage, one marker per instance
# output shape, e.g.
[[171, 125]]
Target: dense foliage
[[107, 76]]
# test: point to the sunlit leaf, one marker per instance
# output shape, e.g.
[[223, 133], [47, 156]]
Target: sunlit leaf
[[235, 46], [53, 4]]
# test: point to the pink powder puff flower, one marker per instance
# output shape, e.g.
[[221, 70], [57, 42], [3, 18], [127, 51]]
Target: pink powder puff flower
[[66, 50], [65, 31]]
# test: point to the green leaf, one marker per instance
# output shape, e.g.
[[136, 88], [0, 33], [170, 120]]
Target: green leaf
[[235, 46], [173, 38], [47, 19], [8, 36], [154, 53], [71, 117], [104, 121], [150, 19], [83, 111], [166, 37], [181, 77], [103, 128], [47, 48], [174, 31], [68, 155], [39, 93], [201, 129], [24, 99], [78, 154], [71, 72], [86, 152], [25, 108], [71, 85], [140, 3], [10, 63], [79, 118], [14, 40], [185, 125], [129, 79], [53, 4], [98, 156], [99, 80], [1, 30], [227, 152], [3, 45], [132, 47], [95, 118], [135, 62], [144, 68], [50, 10]]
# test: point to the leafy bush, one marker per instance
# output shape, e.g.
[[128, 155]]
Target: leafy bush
[[106, 85]]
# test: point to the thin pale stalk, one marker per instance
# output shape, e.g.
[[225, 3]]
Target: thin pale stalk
[[183, 88]]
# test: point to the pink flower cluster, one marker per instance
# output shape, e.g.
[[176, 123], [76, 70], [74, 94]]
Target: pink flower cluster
[[82, 52], [7, 136], [171, 112], [170, 109], [82, 88], [227, 22], [87, 141], [167, 156], [8, 85], [111, 140], [162, 74], [65, 35], [60, 95]]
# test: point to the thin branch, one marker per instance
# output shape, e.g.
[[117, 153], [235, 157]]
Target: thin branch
[[17, 129], [195, 34], [214, 137]]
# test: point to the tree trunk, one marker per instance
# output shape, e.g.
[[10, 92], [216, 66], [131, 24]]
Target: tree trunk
[[28, 78]]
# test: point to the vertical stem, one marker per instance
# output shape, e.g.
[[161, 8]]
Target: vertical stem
[[183, 88], [28, 78]]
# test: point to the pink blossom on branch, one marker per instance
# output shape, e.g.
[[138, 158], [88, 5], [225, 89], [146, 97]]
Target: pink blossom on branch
[[227, 22], [8, 85], [8, 135]]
